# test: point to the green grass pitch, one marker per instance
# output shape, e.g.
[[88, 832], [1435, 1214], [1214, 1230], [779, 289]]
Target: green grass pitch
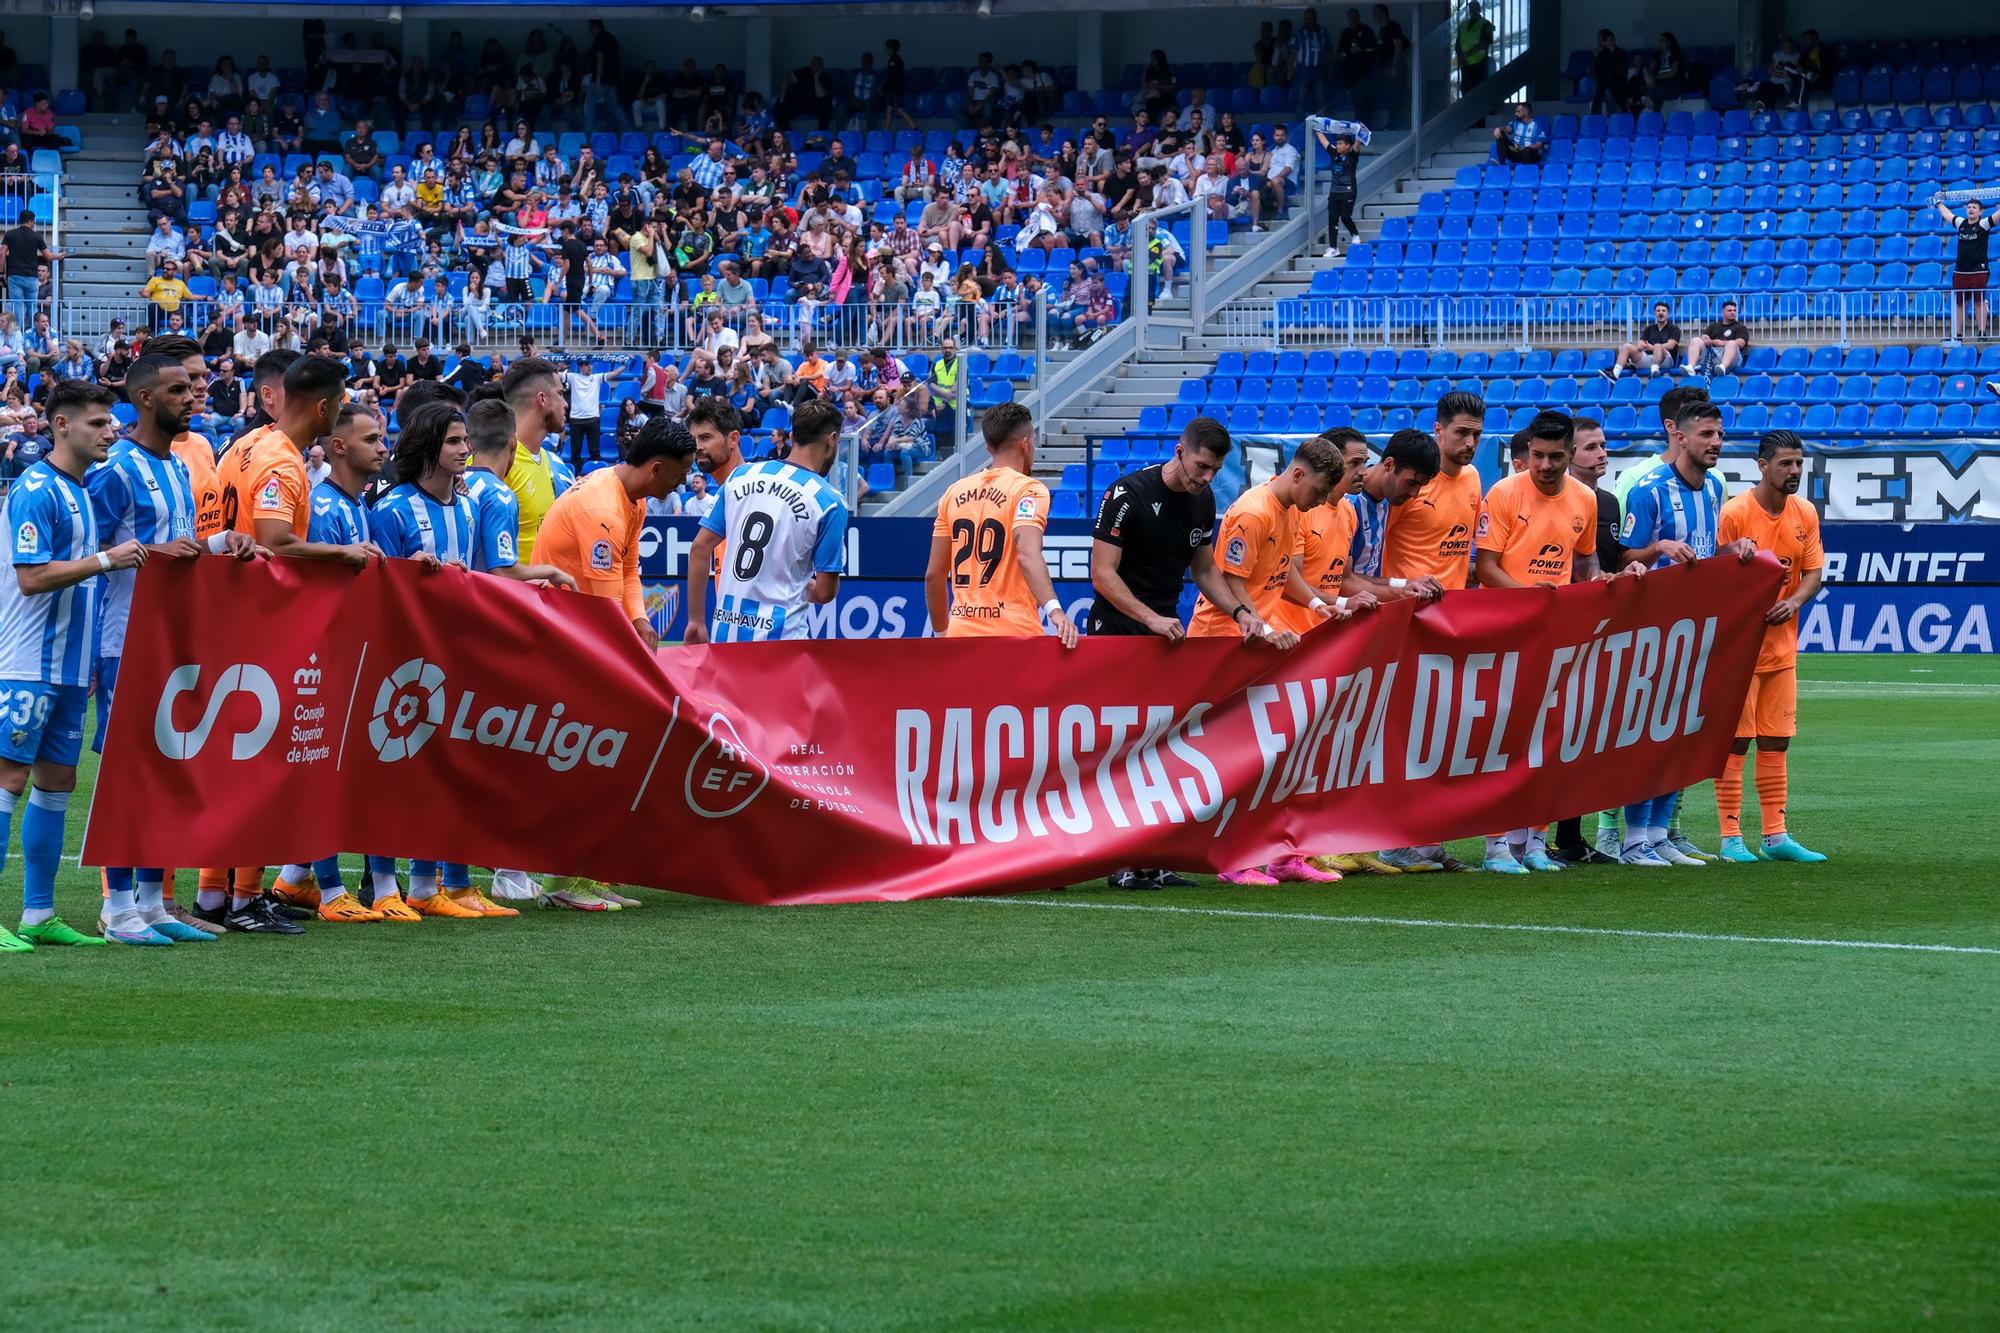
[[1021, 1115]]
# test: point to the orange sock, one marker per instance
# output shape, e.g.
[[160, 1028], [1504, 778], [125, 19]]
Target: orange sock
[[167, 883], [1729, 796], [212, 881], [1771, 781]]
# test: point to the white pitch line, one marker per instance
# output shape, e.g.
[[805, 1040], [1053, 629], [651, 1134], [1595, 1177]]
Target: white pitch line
[[1976, 687], [1522, 927]]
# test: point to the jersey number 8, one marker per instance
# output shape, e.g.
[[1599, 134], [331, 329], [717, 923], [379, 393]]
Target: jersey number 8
[[757, 530]]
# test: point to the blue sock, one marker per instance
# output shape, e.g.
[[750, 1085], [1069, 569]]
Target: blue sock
[[118, 895], [7, 801], [456, 876], [326, 874], [381, 865], [41, 848]]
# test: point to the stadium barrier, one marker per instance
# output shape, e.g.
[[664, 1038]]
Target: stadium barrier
[[1495, 322], [456, 692], [618, 327]]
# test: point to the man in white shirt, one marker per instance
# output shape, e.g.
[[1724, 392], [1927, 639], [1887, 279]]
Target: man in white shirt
[[697, 502], [1283, 175], [718, 335], [982, 92], [249, 343], [263, 81], [399, 193], [585, 383], [1167, 191]]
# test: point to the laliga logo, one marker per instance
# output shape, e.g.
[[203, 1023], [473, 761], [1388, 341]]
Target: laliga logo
[[415, 685], [410, 705], [731, 780], [246, 677]]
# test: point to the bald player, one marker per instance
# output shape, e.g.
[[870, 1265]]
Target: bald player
[[987, 577]]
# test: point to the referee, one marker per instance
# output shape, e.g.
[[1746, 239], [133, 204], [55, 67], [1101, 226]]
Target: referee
[[1152, 526]]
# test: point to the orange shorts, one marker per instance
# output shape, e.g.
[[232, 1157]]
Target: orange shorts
[[1772, 708]]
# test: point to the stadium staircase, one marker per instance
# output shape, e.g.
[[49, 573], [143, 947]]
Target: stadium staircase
[[104, 226], [1153, 377]]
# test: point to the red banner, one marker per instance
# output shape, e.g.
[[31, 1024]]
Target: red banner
[[285, 710]]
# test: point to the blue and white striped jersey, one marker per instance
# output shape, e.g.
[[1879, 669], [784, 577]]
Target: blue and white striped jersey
[[50, 637], [135, 495], [337, 517], [1370, 528], [408, 521], [497, 519], [781, 525], [1663, 507]]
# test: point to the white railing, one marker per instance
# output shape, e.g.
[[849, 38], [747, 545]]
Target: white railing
[[1470, 323], [613, 327]]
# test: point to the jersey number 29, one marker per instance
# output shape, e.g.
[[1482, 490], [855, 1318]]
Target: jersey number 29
[[984, 542]]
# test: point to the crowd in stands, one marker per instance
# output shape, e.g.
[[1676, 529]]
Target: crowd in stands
[[300, 209]]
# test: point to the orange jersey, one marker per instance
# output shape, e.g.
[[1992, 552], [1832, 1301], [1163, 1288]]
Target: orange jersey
[[1431, 532], [1256, 541], [1537, 536], [1793, 536], [989, 593], [1326, 537], [199, 455], [591, 533], [264, 476]]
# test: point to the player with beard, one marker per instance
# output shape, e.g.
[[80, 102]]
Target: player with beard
[[1431, 538], [142, 493], [537, 476], [1154, 526], [1772, 515], [1538, 530], [1672, 516], [1588, 460]]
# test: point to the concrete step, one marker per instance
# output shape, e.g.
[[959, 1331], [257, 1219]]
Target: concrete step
[[118, 170]]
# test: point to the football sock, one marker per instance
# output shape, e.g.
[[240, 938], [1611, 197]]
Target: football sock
[[423, 879], [7, 800], [326, 873], [1636, 832], [151, 892], [1771, 783], [208, 900], [457, 878], [41, 852], [119, 898], [1729, 796], [245, 884], [1497, 847], [1538, 839]]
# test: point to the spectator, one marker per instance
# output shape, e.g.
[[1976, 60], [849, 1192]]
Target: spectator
[[1666, 74], [1358, 51], [362, 154], [26, 252], [166, 245], [1970, 271], [1656, 348], [1720, 346], [38, 126], [1285, 168], [1522, 140], [167, 292], [1610, 69], [1472, 48], [1343, 170], [919, 178], [322, 125], [982, 93]]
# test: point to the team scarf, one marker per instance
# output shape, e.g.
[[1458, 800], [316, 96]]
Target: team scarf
[[1988, 195], [1329, 126]]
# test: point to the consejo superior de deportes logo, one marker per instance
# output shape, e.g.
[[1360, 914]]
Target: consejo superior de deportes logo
[[409, 706]]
